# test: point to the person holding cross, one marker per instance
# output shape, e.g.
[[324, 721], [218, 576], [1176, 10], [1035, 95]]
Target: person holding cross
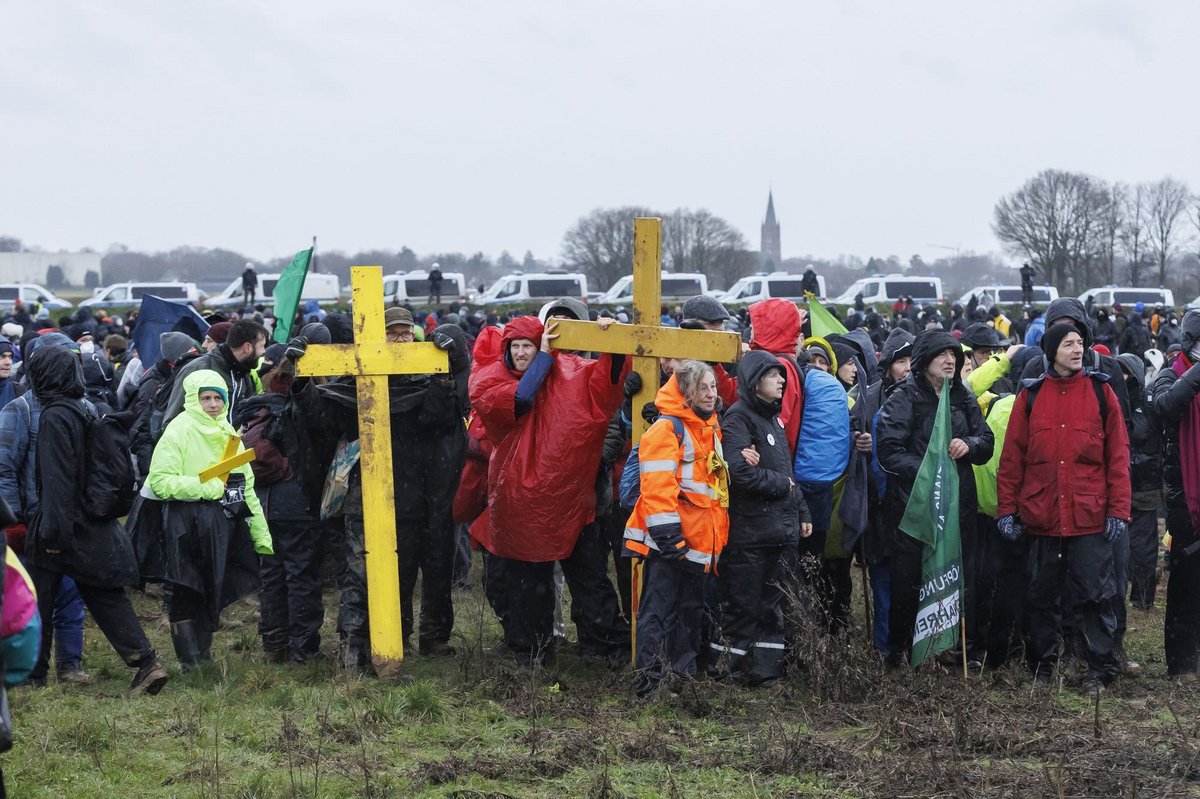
[[546, 412], [213, 527]]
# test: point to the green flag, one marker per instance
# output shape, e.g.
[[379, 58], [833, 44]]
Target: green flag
[[287, 294], [931, 517], [824, 324]]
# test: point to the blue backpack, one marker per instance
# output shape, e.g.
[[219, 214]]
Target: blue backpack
[[631, 478]]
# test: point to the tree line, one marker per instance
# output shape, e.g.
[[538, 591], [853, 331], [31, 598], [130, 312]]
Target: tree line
[[1081, 231]]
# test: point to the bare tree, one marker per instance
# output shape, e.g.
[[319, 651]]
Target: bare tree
[[1167, 201], [601, 243], [1133, 232], [1054, 220], [1112, 219], [700, 241]]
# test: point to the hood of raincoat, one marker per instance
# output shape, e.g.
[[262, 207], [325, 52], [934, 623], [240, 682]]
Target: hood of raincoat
[[526, 327], [1071, 309], [898, 344], [669, 401], [1189, 330], [55, 373], [776, 325], [193, 384], [487, 346], [929, 345], [860, 340], [569, 304], [751, 368], [830, 355], [1135, 366]]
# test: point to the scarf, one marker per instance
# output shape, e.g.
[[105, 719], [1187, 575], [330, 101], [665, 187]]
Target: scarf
[[1189, 448]]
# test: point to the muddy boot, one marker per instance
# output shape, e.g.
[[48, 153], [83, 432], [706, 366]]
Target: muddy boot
[[184, 636], [204, 638], [275, 645], [150, 677]]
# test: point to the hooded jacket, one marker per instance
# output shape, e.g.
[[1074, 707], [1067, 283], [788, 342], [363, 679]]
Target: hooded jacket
[[1065, 465], [94, 553], [1072, 309], [680, 514], [763, 501], [906, 424], [192, 442], [542, 470], [236, 378], [1173, 396], [776, 324], [1145, 439]]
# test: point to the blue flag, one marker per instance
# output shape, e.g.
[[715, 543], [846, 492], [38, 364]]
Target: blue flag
[[158, 316]]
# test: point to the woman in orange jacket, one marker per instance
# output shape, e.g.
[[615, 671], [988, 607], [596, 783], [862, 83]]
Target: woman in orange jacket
[[680, 523]]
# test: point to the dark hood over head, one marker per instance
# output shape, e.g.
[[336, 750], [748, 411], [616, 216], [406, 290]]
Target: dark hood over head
[[865, 349], [1072, 309], [896, 345], [926, 347], [751, 368], [1135, 366], [1189, 330], [54, 374]]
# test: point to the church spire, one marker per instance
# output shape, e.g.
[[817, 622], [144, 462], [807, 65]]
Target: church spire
[[770, 208], [770, 254]]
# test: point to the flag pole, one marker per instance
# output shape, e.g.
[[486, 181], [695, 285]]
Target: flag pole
[[962, 629]]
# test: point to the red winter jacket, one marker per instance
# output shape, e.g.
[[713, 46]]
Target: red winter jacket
[[777, 324], [1062, 472]]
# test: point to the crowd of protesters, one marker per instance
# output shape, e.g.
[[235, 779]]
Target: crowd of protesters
[[756, 488]]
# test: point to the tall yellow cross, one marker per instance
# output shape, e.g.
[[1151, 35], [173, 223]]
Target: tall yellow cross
[[646, 340], [370, 359]]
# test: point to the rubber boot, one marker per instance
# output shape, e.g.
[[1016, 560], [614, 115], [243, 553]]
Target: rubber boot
[[184, 636], [275, 645], [204, 638]]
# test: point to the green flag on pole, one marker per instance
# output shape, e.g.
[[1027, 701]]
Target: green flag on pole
[[287, 294], [824, 324], [931, 517]]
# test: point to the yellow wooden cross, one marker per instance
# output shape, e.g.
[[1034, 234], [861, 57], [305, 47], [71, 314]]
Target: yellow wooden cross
[[370, 359], [647, 341], [229, 461]]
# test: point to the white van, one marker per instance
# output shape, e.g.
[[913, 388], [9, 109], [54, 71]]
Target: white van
[[763, 286], [536, 287], [1128, 296], [987, 296], [675, 286], [129, 295], [323, 288], [889, 288], [26, 293], [413, 287]]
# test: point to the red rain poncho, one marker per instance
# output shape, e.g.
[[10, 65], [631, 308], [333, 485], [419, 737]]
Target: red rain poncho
[[542, 471]]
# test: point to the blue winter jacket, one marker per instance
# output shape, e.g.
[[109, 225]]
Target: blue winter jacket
[[824, 444]]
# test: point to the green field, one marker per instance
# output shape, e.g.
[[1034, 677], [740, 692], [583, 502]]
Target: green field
[[476, 726]]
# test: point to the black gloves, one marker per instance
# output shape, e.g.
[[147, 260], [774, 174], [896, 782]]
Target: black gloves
[[442, 340], [633, 384], [296, 348]]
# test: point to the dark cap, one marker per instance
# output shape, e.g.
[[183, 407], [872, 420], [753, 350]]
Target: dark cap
[[397, 316], [981, 336], [704, 308]]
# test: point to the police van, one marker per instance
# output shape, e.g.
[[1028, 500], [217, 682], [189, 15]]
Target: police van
[[675, 286], [518, 287], [27, 293], [987, 296], [1127, 296], [763, 286], [323, 288], [129, 294], [890, 288], [413, 288]]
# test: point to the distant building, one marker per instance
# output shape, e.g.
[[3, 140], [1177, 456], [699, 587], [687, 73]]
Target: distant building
[[769, 250], [34, 267]]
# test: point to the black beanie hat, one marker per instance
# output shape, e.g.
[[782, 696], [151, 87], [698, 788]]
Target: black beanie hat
[[844, 353], [1054, 336]]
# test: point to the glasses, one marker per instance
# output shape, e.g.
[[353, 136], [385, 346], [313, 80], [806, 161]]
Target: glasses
[[395, 334]]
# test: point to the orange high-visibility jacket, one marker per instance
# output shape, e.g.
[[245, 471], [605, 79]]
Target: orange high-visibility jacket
[[683, 507]]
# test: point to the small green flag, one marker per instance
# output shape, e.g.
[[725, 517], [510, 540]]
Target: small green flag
[[931, 517], [824, 324], [287, 294]]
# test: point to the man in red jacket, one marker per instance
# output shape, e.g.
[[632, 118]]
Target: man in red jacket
[[1064, 480]]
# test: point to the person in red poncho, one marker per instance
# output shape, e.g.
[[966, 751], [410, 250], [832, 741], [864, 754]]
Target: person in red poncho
[[776, 324], [546, 414]]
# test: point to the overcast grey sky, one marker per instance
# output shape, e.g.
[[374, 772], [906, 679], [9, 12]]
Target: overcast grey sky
[[884, 127]]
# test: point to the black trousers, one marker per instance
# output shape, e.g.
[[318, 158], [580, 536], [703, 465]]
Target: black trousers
[[1182, 622], [754, 585], [1080, 567], [670, 619], [1121, 570], [111, 609], [614, 523], [522, 594], [1143, 558], [1005, 581], [290, 606]]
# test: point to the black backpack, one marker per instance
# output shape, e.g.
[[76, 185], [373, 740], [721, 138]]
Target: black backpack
[[109, 485], [1097, 385]]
